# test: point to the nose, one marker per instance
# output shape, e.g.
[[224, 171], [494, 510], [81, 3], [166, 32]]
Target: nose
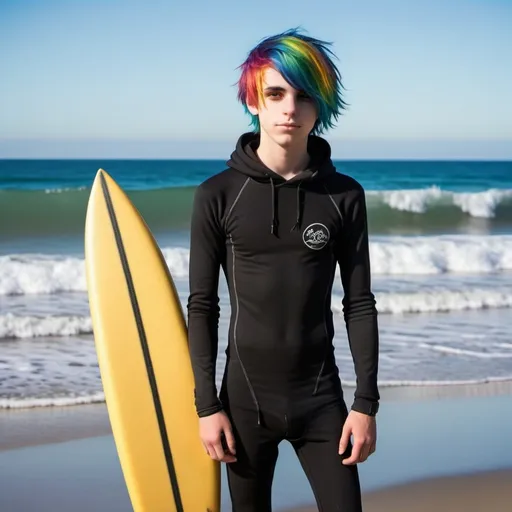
[[289, 105]]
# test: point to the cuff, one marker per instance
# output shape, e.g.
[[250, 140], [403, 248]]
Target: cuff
[[365, 406], [210, 410]]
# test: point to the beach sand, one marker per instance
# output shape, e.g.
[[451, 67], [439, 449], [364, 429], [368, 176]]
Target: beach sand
[[481, 492], [443, 448], [40, 425]]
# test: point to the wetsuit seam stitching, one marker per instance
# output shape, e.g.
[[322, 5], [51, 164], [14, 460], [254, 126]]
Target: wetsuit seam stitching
[[333, 202], [326, 333], [235, 202], [235, 331]]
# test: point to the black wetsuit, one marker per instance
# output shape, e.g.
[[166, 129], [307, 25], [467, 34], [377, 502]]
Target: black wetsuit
[[278, 243]]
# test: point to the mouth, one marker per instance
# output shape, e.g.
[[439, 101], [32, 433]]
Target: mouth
[[289, 125]]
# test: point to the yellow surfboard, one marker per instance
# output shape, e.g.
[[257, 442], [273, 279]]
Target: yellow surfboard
[[141, 342]]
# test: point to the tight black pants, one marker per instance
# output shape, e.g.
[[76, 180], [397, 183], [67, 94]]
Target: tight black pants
[[312, 423]]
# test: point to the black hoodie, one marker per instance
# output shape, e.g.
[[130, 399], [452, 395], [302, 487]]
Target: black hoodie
[[278, 242]]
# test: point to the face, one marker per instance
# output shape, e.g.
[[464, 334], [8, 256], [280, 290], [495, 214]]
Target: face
[[288, 115]]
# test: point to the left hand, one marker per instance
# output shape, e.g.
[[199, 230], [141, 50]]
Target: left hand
[[363, 428]]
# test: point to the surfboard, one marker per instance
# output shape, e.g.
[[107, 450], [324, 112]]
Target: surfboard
[[140, 337]]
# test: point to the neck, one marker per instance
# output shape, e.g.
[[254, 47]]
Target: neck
[[286, 161]]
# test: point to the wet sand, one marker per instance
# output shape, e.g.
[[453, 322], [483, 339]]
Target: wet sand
[[440, 448], [480, 492]]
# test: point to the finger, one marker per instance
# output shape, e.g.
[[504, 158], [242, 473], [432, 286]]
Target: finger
[[228, 458], [345, 438], [211, 451], [373, 448], [228, 455], [219, 451], [230, 440], [356, 453], [365, 453]]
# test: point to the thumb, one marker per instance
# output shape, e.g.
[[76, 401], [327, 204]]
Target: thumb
[[230, 440], [345, 437]]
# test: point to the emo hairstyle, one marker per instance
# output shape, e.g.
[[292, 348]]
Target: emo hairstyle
[[305, 63]]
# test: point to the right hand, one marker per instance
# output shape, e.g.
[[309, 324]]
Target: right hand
[[212, 429]]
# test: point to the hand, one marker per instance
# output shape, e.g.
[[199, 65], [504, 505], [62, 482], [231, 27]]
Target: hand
[[363, 428], [212, 430]]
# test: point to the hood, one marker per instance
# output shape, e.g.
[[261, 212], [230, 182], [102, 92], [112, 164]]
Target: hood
[[245, 160]]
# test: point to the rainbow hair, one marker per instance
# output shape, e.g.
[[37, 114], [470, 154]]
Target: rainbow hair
[[305, 63]]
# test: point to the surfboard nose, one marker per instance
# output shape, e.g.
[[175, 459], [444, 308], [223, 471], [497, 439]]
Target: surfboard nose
[[101, 172]]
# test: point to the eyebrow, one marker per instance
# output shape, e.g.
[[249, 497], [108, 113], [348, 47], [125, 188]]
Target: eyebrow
[[278, 88], [274, 88]]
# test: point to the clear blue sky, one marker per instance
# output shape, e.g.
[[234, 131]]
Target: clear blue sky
[[424, 78]]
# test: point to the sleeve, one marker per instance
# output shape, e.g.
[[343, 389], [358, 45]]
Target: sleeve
[[207, 247], [359, 305]]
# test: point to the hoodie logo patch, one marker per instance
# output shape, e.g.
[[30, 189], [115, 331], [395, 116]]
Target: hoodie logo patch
[[316, 236]]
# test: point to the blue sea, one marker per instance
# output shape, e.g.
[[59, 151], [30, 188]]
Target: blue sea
[[441, 256]]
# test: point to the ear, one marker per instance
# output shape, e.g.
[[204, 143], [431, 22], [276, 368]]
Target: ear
[[253, 110]]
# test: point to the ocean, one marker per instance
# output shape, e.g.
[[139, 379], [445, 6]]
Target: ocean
[[441, 256]]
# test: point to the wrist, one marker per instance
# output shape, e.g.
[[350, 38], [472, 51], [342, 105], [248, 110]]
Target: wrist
[[208, 411], [364, 406]]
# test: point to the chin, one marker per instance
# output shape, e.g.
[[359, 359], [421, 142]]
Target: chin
[[287, 140]]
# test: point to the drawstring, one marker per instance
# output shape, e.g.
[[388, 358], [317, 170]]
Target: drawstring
[[297, 222], [273, 226]]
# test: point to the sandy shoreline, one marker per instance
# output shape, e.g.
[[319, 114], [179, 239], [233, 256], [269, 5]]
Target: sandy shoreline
[[480, 492], [461, 432], [21, 428], [41, 425]]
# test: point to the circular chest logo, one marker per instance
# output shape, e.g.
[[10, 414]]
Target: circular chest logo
[[316, 236]]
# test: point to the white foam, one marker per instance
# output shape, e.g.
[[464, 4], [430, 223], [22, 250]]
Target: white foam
[[476, 204], [37, 274], [441, 254], [421, 255], [481, 204], [99, 397], [30, 402], [177, 259], [456, 348], [13, 326], [30, 274], [463, 352], [61, 190], [390, 383], [438, 300], [425, 301]]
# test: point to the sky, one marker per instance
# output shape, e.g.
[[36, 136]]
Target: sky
[[138, 79]]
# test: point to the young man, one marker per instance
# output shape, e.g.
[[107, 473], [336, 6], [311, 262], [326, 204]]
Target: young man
[[278, 221]]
